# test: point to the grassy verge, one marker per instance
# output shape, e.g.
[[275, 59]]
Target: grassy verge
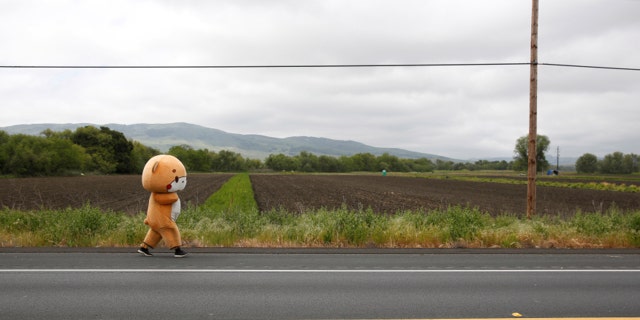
[[230, 217], [82, 227], [451, 227]]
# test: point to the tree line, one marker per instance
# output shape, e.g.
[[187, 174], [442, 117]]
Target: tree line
[[613, 163], [87, 149], [105, 151], [99, 151]]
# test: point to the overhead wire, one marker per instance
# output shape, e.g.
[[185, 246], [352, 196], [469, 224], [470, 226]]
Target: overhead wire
[[588, 67], [280, 66], [262, 66]]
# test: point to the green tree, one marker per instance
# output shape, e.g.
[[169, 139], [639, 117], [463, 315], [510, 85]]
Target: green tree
[[364, 162], [630, 162], [110, 150], [418, 165], [308, 162], [65, 156], [4, 154], [26, 155], [615, 163], [66, 134], [253, 164], [200, 160], [391, 163], [347, 164], [521, 153], [462, 166], [141, 154], [330, 164], [281, 162], [444, 165], [181, 152], [228, 161], [587, 163]]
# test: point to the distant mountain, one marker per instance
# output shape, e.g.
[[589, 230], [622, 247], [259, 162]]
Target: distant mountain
[[164, 136]]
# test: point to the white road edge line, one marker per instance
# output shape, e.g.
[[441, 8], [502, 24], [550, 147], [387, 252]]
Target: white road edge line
[[316, 271]]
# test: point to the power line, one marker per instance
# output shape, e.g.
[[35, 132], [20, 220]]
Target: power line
[[283, 66], [262, 66], [588, 67]]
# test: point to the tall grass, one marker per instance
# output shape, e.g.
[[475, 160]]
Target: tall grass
[[83, 227], [230, 217], [446, 228]]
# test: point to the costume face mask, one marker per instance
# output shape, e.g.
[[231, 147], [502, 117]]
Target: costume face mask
[[179, 183]]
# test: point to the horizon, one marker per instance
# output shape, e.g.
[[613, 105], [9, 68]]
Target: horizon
[[549, 155]]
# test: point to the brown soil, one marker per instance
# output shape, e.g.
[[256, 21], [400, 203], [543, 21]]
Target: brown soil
[[119, 193], [297, 193]]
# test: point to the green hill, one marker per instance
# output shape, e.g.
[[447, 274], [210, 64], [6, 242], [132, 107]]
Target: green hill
[[164, 136]]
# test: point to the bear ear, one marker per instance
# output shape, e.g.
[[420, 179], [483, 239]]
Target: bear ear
[[155, 166]]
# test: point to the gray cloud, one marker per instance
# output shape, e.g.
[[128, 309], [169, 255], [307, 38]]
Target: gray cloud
[[462, 112]]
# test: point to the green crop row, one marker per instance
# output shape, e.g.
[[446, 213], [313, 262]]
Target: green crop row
[[605, 186]]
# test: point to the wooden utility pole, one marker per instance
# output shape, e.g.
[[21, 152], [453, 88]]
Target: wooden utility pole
[[533, 113]]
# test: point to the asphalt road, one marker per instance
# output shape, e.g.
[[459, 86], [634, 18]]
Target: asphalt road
[[316, 284]]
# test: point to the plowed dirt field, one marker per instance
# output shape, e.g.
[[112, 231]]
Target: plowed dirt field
[[298, 193], [119, 193]]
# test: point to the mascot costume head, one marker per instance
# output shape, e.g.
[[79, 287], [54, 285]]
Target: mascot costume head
[[163, 176]]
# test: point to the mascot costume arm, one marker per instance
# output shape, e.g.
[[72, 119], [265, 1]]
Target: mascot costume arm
[[169, 198]]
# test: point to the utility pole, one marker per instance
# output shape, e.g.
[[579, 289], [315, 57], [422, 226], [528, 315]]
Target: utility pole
[[533, 112]]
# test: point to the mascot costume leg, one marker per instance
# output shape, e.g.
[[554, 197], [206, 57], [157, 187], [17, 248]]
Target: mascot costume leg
[[163, 176]]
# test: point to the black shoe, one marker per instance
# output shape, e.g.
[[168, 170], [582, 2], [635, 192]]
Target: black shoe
[[145, 252], [179, 253]]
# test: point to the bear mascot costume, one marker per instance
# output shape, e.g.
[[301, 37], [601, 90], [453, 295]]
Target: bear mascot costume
[[163, 176]]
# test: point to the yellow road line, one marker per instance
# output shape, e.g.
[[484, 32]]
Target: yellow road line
[[555, 318]]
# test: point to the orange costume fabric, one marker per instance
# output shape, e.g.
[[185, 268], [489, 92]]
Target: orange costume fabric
[[163, 176]]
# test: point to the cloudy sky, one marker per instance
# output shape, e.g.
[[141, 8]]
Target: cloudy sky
[[459, 112]]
